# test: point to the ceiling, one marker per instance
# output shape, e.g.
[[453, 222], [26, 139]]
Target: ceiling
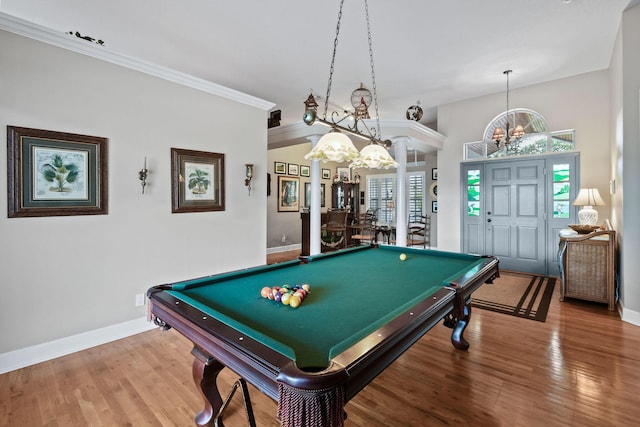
[[432, 52]]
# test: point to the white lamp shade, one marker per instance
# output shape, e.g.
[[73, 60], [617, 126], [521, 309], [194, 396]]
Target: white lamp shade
[[374, 156], [588, 197], [334, 146]]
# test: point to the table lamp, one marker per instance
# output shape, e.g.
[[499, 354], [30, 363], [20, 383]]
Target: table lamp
[[588, 198]]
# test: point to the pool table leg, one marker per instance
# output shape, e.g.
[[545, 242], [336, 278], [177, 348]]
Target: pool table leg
[[457, 339], [458, 319], [205, 371]]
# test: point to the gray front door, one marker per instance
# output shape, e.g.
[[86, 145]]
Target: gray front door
[[514, 209], [515, 214]]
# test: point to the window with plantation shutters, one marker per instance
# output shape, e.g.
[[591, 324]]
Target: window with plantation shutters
[[373, 195], [415, 197], [382, 197]]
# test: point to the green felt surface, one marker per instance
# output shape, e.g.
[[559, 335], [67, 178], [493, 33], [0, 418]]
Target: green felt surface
[[352, 294]]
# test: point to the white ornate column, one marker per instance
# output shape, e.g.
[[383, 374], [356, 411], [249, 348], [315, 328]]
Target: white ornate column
[[400, 151], [314, 205]]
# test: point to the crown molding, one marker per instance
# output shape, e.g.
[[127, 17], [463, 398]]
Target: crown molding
[[43, 34]]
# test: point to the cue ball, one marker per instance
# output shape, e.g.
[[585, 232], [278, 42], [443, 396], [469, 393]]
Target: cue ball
[[403, 257]]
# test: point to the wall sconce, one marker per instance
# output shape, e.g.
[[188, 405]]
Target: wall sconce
[[249, 175], [142, 175]]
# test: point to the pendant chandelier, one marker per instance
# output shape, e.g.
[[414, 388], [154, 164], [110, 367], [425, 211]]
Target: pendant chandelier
[[503, 137], [336, 145]]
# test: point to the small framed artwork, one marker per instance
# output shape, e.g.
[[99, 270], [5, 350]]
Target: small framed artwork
[[288, 194], [53, 173], [279, 168], [434, 206], [307, 195], [197, 181], [344, 174], [292, 170], [305, 171], [434, 174], [268, 184], [326, 173], [433, 190]]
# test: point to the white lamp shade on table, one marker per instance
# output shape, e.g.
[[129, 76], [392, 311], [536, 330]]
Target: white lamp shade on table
[[587, 198]]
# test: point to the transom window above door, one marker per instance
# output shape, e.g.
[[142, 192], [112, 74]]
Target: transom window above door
[[537, 139]]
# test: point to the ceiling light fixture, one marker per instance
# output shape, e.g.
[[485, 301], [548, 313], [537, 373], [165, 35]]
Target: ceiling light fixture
[[503, 137], [336, 145]]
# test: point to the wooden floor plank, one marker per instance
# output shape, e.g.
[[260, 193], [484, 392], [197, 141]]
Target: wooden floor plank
[[579, 368]]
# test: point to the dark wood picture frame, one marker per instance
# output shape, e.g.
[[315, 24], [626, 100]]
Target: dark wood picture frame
[[288, 194], [326, 173], [292, 169], [279, 168], [434, 174], [307, 195], [305, 170], [55, 173], [197, 181], [434, 206]]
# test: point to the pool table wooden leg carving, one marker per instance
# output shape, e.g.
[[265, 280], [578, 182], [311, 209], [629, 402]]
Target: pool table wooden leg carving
[[205, 372], [459, 324]]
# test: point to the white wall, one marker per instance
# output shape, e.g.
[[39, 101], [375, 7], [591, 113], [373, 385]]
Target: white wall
[[62, 276], [627, 173], [580, 102]]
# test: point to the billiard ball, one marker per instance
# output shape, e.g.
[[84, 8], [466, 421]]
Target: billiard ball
[[264, 292], [294, 301], [285, 298], [403, 257]]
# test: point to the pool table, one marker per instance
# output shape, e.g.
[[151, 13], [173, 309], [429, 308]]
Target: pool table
[[366, 307]]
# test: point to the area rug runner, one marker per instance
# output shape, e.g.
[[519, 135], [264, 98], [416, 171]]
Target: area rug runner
[[517, 294]]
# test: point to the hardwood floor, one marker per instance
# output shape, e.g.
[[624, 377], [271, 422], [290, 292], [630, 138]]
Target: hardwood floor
[[579, 368], [282, 256]]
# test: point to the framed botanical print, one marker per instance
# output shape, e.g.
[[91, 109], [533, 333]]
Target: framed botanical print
[[197, 181], [288, 194], [326, 173], [54, 173]]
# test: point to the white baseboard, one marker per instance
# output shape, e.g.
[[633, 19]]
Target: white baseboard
[[629, 316], [50, 350], [284, 248]]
